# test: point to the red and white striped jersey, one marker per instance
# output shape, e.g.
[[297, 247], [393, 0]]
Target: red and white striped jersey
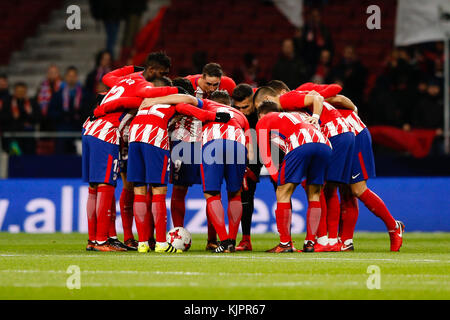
[[151, 123], [332, 122], [292, 132], [353, 120], [105, 128], [237, 129], [187, 128]]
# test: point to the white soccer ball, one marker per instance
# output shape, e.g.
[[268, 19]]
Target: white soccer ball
[[179, 238]]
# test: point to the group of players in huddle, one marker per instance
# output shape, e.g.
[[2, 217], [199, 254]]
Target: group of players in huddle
[[203, 129]]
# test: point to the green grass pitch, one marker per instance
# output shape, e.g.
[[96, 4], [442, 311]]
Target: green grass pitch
[[35, 267]]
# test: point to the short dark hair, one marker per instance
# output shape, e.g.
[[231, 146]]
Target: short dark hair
[[278, 86], [71, 68], [212, 70], [99, 56], [264, 91], [221, 96], [162, 82], [268, 106], [241, 92], [20, 84], [3, 76], [158, 60], [185, 84]]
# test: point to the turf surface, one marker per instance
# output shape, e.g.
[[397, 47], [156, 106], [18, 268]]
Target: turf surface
[[34, 267]]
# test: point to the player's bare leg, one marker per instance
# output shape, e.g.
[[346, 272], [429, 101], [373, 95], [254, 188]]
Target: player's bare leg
[[374, 203], [313, 215], [283, 215]]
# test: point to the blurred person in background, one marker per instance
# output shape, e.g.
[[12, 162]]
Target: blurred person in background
[[312, 39], [323, 69], [4, 88], [67, 109], [20, 114], [249, 71], [103, 65], [428, 114], [289, 68], [133, 13], [110, 12], [45, 91], [352, 73]]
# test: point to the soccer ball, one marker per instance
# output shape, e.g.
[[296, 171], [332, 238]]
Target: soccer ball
[[179, 238]]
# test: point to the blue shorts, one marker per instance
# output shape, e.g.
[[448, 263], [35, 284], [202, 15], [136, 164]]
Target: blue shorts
[[340, 167], [363, 166], [223, 159], [185, 160], [309, 160], [147, 164], [100, 161]]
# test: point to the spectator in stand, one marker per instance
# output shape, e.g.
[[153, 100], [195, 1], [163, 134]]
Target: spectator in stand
[[289, 68], [249, 71], [353, 75], [103, 65], [4, 88], [322, 72], [133, 11], [47, 88], [428, 114], [111, 12], [312, 39], [67, 109], [21, 115]]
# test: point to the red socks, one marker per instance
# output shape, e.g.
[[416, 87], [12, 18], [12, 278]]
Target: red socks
[[151, 221], [333, 208], [322, 230], [112, 225], [141, 217], [234, 216], [283, 215], [177, 206], [214, 209], [313, 215], [378, 208], [126, 213], [159, 212], [105, 195], [91, 216], [349, 216]]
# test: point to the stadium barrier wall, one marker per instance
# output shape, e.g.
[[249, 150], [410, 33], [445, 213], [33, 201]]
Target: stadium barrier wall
[[58, 205]]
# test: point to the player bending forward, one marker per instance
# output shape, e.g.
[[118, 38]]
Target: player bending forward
[[308, 153], [148, 160]]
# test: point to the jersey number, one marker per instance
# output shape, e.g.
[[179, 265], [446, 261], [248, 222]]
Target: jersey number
[[113, 94], [291, 117], [154, 110]]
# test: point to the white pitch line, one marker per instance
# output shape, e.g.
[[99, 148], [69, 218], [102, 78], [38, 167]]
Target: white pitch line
[[137, 272], [227, 256]]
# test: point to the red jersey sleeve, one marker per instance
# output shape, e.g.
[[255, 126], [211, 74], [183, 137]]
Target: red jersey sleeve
[[117, 104], [308, 86], [330, 90], [292, 100], [148, 91], [111, 78], [189, 110]]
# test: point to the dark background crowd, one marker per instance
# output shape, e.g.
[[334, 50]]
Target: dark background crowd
[[407, 92]]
